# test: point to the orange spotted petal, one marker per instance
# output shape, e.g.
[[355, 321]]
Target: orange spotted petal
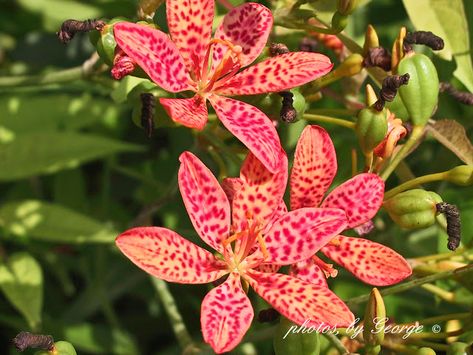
[[226, 315], [191, 112], [260, 194], [252, 127], [231, 185], [247, 26], [205, 201], [315, 166], [309, 271], [300, 301], [168, 256], [371, 262], [360, 197], [155, 53], [190, 27], [276, 74], [299, 234]]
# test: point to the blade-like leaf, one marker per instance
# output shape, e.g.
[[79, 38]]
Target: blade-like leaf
[[453, 136], [47, 152], [53, 223], [447, 19], [21, 280]]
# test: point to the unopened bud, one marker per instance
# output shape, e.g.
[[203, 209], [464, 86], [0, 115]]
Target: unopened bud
[[413, 209], [371, 40], [346, 7], [374, 322], [426, 351], [398, 50], [461, 175], [352, 65]]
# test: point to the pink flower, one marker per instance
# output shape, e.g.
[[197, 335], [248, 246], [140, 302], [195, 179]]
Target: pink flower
[[211, 68], [315, 166], [249, 240]]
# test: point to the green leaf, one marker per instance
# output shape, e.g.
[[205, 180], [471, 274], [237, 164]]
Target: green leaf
[[447, 19], [21, 280], [47, 152], [52, 223]]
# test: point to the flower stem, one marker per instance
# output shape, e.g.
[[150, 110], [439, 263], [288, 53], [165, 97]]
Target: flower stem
[[178, 326], [336, 343], [328, 119], [403, 152], [414, 283], [413, 183], [440, 292]]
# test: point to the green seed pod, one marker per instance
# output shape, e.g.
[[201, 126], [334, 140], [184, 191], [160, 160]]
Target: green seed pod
[[290, 338], [420, 96], [106, 45], [397, 106], [339, 22], [60, 348], [461, 175], [371, 127], [299, 103], [374, 321], [426, 351], [413, 209], [458, 348]]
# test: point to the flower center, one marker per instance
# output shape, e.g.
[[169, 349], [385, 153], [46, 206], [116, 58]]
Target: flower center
[[228, 66]]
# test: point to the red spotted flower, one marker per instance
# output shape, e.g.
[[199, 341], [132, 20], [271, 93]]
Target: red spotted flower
[[192, 61], [315, 166], [248, 240]]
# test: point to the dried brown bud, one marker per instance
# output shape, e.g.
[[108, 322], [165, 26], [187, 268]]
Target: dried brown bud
[[452, 214], [423, 37], [463, 97], [25, 340], [148, 103], [389, 89], [277, 49], [268, 315], [70, 27], [378, 57]]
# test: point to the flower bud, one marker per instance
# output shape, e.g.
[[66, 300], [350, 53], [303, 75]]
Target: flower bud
[[346, 7], [371, 127], [375, 319], [398, 51], [371, 40], [413, 209], [339, 22], [426, 351], [461, 175], [352, 65]]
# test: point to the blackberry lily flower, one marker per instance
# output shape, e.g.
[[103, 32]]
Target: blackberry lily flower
[[315, 166], [191, 60], [243, 250]]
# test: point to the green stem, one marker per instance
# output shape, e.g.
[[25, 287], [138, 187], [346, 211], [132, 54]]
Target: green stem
[[413, 283], [403, 152], [439, 292], [336, 343], [430, 344], [413, 183], [170, 307], [328, 119]]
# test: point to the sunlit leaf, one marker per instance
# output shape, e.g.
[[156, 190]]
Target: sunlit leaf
[[453, 136], [447, 19], [21, 280], [47, 152], [52, 223]]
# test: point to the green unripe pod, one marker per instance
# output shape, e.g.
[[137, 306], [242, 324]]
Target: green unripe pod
[[299, 103], [397, 107], [458, 348], [420, 96], [461, 175], [288, 340], [413, 209], [339, 22], [60, 348], [106, 45], [371, 127], [426, 351]]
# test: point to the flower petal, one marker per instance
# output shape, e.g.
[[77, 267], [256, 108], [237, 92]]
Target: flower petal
[[231, 186], [226, 315], [300, 301], [260, 194], [191, 112], [252, 127], [155, 53], [309, 271], [371, 262], [276, 74], [315, 166], [299, 234], [205, 201], [248, 26], [190, 26], [360, 197], [168, 256]]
